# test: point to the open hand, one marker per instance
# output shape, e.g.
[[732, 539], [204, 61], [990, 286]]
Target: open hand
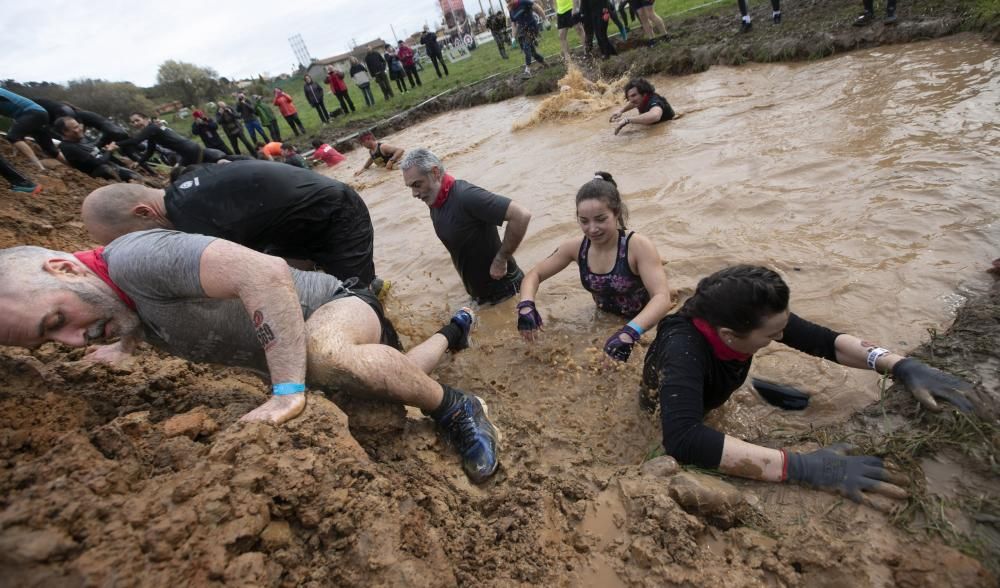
[[832, 469], [929, 384]]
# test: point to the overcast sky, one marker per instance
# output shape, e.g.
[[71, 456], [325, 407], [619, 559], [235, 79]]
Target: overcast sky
[[118, 40]]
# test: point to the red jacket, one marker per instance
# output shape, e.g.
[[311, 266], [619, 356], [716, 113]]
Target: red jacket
[[405, 55], [284, 103], [337, 85]]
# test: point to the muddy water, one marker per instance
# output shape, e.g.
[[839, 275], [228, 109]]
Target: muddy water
[[871, 181]]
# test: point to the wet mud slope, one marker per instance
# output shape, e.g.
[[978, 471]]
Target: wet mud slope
[[141, 476]]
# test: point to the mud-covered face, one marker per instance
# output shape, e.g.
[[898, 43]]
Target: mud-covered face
[[77, 309], [424, 186], [597, 221]]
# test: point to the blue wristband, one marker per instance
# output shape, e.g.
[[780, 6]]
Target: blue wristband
[[287, 388], [636, 327]]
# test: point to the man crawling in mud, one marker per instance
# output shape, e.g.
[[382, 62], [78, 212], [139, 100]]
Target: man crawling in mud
[[210, 300], [642, 96]]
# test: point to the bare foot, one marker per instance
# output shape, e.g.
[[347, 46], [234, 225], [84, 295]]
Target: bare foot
[[277, 410]]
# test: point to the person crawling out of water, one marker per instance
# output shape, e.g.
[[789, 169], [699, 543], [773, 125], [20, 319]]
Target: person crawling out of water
[[642, 96], [702, 354]]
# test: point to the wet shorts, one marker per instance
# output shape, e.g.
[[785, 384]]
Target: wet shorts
[[565, 20], [31, 122]]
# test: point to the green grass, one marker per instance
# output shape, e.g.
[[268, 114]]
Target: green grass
[[484, 62]]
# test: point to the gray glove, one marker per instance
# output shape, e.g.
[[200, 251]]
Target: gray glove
[[929, 384], [831, 469]]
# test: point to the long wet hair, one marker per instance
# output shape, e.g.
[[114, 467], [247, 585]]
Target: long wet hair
[[604, 188], [738, 297]]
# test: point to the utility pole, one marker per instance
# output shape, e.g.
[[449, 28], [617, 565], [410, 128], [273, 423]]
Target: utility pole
[[394, 37]]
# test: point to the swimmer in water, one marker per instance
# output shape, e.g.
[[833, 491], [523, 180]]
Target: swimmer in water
[[620, 268], [702, 354], [642, 96], [379, 154]]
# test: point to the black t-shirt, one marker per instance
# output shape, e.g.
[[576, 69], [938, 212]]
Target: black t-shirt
[[82, 157], [657, 100], [467, 225], [264, 205], [691, 381]]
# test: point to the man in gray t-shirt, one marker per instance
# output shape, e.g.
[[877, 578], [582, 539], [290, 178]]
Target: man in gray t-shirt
[[466, 218], [210, 300]]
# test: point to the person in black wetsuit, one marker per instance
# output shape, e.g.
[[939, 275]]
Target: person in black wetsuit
[[93, 161], [150, 132], [620, 268], [641, 95], [702, 354], [277, 209]]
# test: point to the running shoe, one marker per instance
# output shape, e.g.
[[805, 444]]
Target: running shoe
[[527, 72], [471, 432], [746, 26], [890, 19], [466, 320], [864, 20], [776, 17], [27, 188]]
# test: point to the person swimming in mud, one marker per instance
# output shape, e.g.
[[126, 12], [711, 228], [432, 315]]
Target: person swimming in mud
[[379, 154], [620, 268], [211, 301], [702, 354], [642, 96]]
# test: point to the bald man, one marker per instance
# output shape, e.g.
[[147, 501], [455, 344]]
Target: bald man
[[279, 209]]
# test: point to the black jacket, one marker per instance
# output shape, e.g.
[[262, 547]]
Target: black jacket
[[375, 63]]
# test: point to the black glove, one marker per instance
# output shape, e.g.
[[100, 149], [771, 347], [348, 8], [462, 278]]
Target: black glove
[[927, 383], [830, 469], [528, 320], [618, 349]]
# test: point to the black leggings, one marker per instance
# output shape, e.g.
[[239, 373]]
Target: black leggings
[[345, 102], [236, 139], [890, 6], [12, 175], [321, 111], [435, 59]]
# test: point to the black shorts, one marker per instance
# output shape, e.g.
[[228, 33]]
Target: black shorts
[[566, 20], [32, 123]]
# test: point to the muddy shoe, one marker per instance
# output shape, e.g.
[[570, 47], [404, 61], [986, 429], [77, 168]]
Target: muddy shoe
[[26, 188], [776, 17], [465, 319], [470, 430], [526, 73], [864, 20], [746, 26], [890, 19]]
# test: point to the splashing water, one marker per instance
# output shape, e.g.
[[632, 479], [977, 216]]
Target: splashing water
[[578, 98]]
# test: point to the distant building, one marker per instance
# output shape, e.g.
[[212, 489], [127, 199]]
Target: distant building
[[454, 12], [317, 69]]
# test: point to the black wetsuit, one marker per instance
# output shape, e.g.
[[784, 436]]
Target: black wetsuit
[[657, 100], [96, 162], [189, 151], [691, 380], [278, 209]]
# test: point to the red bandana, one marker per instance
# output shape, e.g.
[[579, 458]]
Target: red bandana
[[446, 183], [94, 260], [721, 350], [645, 102]]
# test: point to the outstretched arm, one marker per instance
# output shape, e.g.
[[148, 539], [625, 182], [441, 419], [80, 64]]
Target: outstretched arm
[[651, 117], [617, 114], [367, 165], [264, 284], [528, 319]]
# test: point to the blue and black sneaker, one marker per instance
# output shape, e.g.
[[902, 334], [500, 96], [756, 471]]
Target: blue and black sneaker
[[466, 320], [470, 430]]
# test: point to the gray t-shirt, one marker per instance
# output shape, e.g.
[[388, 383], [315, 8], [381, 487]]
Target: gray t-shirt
[[467, 225], [160, 271]]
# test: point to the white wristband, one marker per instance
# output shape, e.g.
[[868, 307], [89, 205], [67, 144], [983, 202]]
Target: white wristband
[[874, 354]]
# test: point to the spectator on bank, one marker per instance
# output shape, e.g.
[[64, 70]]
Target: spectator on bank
[[430, 41], [267, 118], [314, 95], [376, 67], [364, 81], [335, 78], [208, 130], [408, 57], [248, 113], [496, 22], [286, 106], [595, 15], [868, 16], [746, 25], [527, 30], [396, 71], [232, 125]]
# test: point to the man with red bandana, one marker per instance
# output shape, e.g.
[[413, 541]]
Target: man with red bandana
[[466, 218], [642, 96]]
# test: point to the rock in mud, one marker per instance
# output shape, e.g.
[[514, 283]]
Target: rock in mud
[[660, 467], [717, 501]]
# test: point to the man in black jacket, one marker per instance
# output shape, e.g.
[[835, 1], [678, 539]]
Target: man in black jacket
[[430, 41], [208, 130], [233, 126], [376, 67], [99, 163]]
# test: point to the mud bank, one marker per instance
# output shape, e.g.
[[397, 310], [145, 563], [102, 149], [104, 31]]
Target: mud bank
[[809, 30]]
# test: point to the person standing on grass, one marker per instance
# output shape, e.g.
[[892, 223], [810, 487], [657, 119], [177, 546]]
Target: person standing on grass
[[248, 113], [497, 23], [430, 41], [396, 71], [526, 30], [314, 95], [208, 130], [408, 58], [335, 78], [286, 107], [376, 67], [746, 26], [364, 81], [650, 21], [595, 16], [868, 16], [267, 118], [568, 17], [233, 127]]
